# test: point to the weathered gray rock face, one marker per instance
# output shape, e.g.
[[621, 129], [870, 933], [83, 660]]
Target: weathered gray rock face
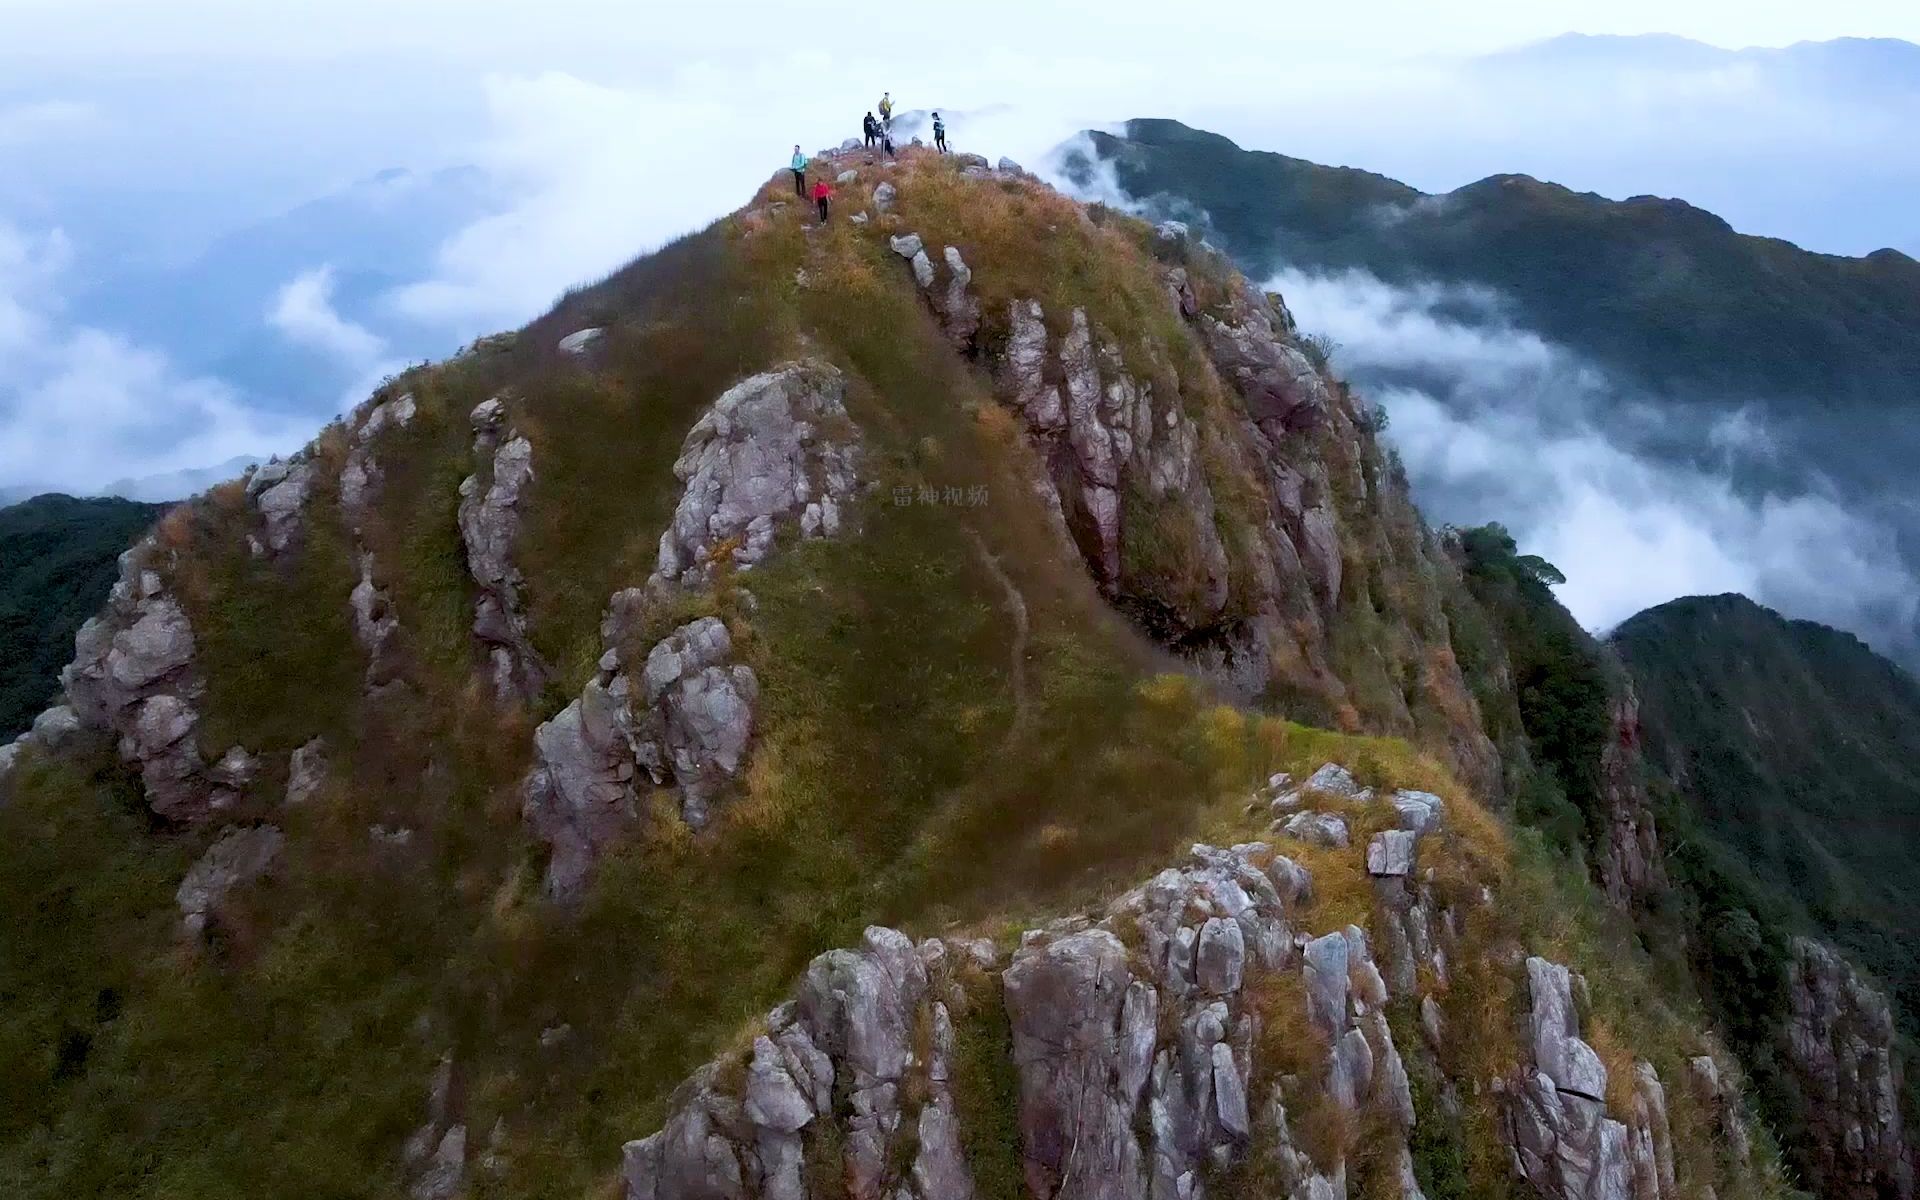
[[239, 857], [1839, 1042], [580, 341], [958, 308], [1564, 1140], [306, 772], [279, 489], [361, 474], [376, 626], [1252, 348], [55, 729], [1316, 828], [489, 525], [856, 1030], [1133, 1039], [704, 707], [684, 720], [1391, 853], [1103, 433], [133, 676], [1334, 780], [775, 450], [1083, 1035]]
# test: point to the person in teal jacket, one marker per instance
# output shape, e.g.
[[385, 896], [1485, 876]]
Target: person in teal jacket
[[799, 173]]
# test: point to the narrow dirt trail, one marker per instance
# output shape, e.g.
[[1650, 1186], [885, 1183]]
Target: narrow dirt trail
[[1022, 634]]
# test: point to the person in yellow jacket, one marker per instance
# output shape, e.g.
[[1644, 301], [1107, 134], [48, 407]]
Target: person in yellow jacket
[[886, 110]]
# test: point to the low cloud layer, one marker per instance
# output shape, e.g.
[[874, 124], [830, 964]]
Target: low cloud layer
[[1497, 424], [80, 406]]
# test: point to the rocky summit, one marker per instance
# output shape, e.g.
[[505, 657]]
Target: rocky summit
[[950, 703]]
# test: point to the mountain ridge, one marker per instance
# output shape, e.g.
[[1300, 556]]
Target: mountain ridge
[[510, 749]]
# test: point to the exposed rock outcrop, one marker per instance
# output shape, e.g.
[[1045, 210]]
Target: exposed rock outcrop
[[134, 676], [1133, 1040], [1840, 1046], [306, 772], [489, 525], [1564, 1139], [361, 474], [376, 626], [239, 857], [775, 450], [683, 720], [436, 1154], [279, 489], [1104, 434]]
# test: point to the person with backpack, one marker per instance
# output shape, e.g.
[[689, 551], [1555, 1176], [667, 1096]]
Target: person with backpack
[[886, 112], [939, 133], [820, 193], [799, 172], [871, 128]]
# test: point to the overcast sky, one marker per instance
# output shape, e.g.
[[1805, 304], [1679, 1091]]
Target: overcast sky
[[570, 32]]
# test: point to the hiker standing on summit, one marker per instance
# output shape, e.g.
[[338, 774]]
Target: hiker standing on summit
[[799, 168], [886, 112], [939, 133], [871, 128]]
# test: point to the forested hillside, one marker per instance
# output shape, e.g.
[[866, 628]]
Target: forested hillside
[[56, 563]]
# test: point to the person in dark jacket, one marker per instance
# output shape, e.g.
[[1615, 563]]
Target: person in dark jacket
[[820, 193], [871, 128], [939, 133]]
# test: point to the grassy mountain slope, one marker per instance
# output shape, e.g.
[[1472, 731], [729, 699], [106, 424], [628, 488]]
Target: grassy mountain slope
[[1584, 270], [955, 730], [56, 563]]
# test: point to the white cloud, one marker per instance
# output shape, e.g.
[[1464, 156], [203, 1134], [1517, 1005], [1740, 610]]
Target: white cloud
[[80, 407], [304, 312], [1507, 426]]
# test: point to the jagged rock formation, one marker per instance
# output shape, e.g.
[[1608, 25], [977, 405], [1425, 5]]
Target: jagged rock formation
[[376, 626], [957, 306], [1565, 1140], [1134, 1040], [1839, 1044], [1126, 452], [685, 722], [279, 489], [1099, 432], [776, 448], [134, 676], [361, 474], [489, 524]]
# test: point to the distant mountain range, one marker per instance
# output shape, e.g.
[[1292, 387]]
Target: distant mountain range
[[1688, 344], [149, 489]]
